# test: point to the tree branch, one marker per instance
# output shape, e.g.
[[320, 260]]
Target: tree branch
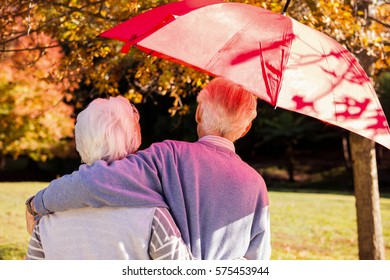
[[32, 49], [379, 21], [54, 20]]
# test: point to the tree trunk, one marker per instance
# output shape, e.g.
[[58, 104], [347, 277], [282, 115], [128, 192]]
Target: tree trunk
[[346, 152], [290, 161], [2, 162], [365, 173], [370, 237]]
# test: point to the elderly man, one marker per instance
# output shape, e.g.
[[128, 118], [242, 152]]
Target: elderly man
[[220, 203]]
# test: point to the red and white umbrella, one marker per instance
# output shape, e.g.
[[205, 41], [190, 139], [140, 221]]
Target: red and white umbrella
[[282, 61]]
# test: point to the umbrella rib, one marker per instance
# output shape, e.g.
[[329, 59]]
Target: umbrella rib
[[216, 57], [265, 76], [331, 82]]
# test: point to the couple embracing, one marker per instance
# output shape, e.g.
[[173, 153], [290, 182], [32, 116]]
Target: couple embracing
[[173, 200]]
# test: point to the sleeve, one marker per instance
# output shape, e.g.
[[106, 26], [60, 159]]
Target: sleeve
[[35, 249], [133, 182], [260, 245], [166, 242]]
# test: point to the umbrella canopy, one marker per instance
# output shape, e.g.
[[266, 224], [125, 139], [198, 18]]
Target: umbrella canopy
[[135, 29], [282, 61]]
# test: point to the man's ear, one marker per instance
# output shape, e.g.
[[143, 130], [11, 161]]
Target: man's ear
[[246, 130], [198, 113]]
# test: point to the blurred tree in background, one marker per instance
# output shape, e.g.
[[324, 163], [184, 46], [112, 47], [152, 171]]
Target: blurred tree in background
[[383, 90], [35, 121]]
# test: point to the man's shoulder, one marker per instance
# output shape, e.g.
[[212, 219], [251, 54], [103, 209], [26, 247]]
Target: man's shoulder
[[164, 149], [171, 145]]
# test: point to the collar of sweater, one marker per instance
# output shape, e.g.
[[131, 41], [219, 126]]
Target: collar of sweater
[[218, 141]]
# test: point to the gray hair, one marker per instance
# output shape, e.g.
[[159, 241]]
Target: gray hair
[[108, 129], [227, 108]]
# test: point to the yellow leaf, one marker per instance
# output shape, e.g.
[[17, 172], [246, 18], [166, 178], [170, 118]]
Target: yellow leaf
[[346, 14]]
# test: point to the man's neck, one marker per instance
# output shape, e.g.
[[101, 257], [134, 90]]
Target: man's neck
[[218, 141]]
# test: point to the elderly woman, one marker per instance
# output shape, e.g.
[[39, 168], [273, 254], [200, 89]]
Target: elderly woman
[[107, 130]]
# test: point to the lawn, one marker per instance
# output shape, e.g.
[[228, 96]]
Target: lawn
[[318, 226], [304, 225], [13, 235]]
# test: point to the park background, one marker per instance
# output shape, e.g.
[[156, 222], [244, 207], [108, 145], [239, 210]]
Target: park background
[[53, 64]]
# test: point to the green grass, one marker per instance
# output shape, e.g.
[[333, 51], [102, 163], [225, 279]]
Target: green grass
[[13, 235], [318, 226], [304, 225]]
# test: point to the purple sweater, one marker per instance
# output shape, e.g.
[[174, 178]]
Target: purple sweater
[[219, 202]]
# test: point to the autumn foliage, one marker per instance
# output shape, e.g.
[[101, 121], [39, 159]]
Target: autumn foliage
[[51, 56], [35, 120]]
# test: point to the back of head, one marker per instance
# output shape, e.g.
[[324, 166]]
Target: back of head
[[108, 129], [227, 109]]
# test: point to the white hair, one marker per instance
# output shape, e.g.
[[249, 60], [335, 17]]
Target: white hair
[[226, 108], [108, 129]]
